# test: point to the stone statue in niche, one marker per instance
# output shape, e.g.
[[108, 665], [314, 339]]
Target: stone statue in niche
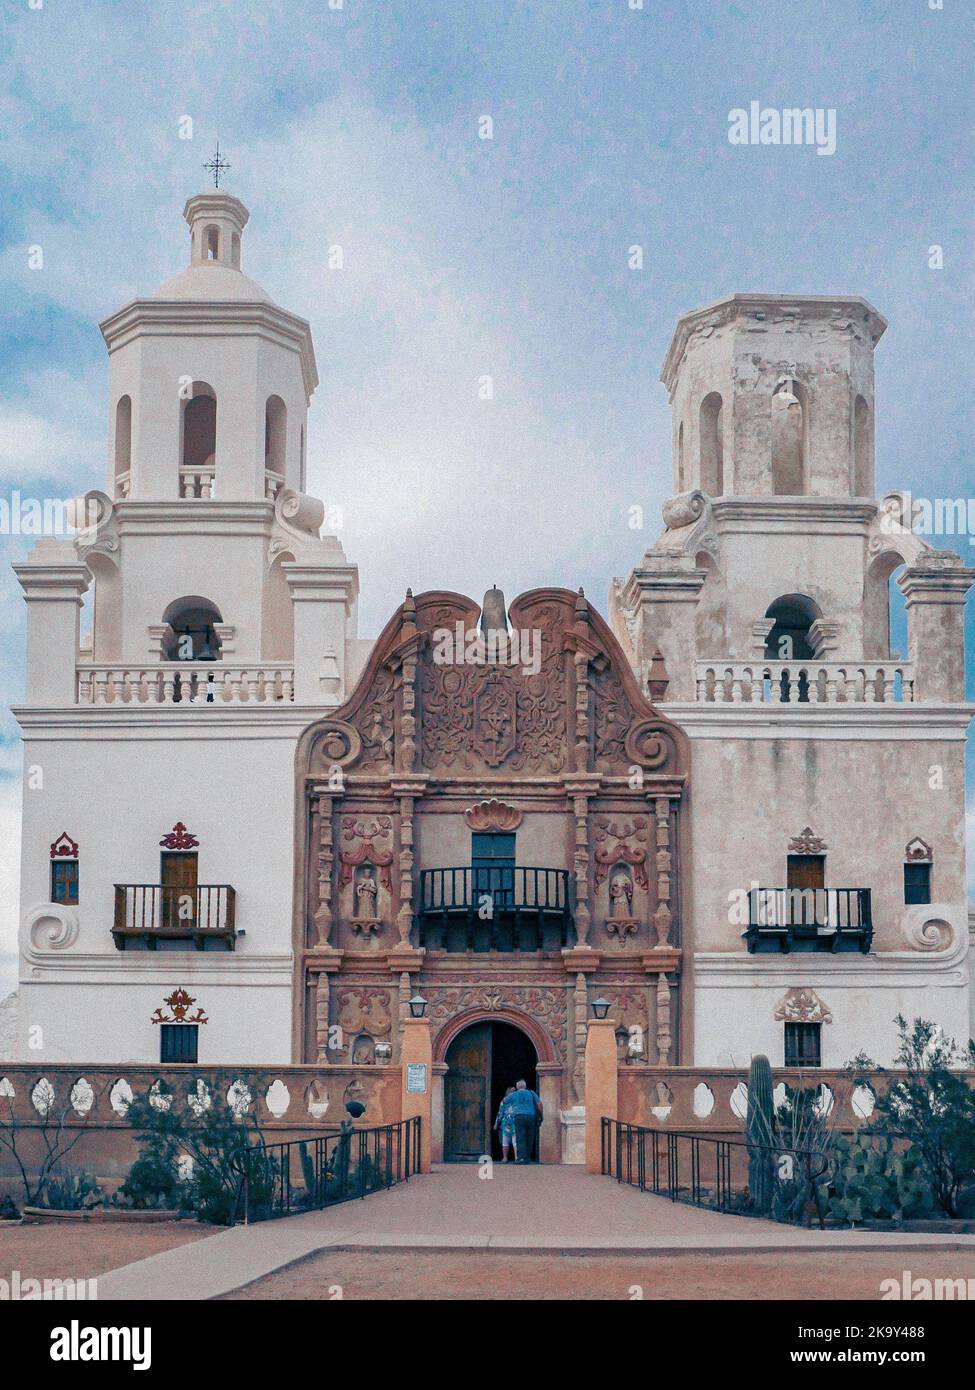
[[621, 895], [621, 923], [366, 887], [364, 1050]]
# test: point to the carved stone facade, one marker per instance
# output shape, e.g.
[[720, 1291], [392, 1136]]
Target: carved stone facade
[[545, 742]]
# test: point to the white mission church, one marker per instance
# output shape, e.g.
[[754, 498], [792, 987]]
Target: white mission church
[[730, 807]]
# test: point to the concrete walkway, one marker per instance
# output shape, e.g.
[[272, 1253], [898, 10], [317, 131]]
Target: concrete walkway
[[520, 1208]]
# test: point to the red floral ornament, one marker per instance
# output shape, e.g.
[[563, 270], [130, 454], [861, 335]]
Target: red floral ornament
[[179, 838]]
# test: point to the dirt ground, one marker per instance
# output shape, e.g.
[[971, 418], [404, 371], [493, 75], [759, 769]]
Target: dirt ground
[[480, 1276], [81, 1251]]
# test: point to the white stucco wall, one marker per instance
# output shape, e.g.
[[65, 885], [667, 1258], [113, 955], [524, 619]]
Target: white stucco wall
[[117, 783]]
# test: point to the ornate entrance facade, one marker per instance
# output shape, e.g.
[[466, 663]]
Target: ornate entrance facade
[[494, 822]]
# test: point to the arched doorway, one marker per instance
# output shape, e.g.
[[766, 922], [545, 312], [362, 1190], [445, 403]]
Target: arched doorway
[[483, 1061]]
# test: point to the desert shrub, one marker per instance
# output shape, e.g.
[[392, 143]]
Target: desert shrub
[[930, 1111], [194, 1157], [71, 1189]]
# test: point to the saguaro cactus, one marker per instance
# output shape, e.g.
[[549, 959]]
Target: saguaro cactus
[[760, 1133]]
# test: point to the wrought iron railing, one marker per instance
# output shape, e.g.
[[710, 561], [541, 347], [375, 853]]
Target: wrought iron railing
[[497, 908], [154, 910], [506, 889], [711, 1171], [821, 919], [310, 1174]]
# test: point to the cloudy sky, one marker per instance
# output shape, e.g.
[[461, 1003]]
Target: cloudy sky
[[358, 124]]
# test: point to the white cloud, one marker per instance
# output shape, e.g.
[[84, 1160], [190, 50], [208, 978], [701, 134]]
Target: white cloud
[[54, 431]]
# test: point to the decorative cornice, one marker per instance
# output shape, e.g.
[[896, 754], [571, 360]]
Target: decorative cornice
[[919, 851], [741, 306], [166, 317]]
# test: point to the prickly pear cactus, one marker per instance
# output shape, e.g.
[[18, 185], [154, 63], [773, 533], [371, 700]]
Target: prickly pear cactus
[[874, 1181]]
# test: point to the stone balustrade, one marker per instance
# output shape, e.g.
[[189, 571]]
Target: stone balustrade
[[714, 1100], [185, 682], [196, 482], [804, 682], [289, 1100]]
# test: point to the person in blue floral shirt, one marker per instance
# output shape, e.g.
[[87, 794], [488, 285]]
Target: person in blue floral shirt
[[505, 1125]]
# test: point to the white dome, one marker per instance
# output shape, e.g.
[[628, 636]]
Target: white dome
[[208, 280]]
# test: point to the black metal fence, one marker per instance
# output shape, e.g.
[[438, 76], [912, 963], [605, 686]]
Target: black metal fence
[[343, 1164], [712, 1172]]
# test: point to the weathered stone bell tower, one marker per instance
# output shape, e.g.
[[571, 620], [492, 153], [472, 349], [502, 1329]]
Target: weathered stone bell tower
[[821, 756]]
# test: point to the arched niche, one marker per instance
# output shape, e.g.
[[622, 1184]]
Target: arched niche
[[275, 442], [712, 445], [790, 434], [198, 440], [884, 609], [711, 613], [123, 444], [192, 635], [277, 613], [863, 484], [792, 616]]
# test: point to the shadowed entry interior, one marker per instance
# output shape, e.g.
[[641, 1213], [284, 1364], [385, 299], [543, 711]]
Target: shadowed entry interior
[[483, 1061]]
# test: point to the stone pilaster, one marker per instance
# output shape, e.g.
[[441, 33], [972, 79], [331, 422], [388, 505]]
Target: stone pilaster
[[935, 594], [322, 998], [580, 1005], [326, 864], [664, 1040], [663, 862]]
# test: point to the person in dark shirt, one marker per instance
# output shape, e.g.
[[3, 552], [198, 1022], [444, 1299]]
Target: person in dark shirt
[[526, 1110]]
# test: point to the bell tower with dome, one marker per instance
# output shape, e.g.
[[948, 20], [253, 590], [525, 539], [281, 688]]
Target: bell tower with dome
[[178, 644], [210, 381]]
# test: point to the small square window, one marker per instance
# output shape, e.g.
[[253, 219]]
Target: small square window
[[803, 1045], [917, 883], [64, 881], [179, 1042]]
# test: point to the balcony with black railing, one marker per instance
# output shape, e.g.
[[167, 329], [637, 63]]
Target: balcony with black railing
[[501, 908], [155, 916], [809, 919]]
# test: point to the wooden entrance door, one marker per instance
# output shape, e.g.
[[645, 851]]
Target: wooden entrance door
[[178, 873], [467, 1095]]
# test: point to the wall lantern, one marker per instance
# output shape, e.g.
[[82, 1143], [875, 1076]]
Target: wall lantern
[[600, 1007], [418, 1006]]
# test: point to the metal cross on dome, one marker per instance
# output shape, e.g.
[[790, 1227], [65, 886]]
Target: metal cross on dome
[[216, 166]]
